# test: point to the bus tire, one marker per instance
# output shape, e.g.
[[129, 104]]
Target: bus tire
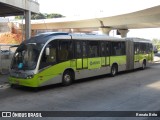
[[13, 86], [114, 70], [143, 65], [67, 78]]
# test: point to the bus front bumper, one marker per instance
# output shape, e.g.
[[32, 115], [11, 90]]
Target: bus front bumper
[[32, 82]]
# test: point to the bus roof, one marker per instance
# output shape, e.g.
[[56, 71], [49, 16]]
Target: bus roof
[[95, 37], [44, 37], [135, 39]]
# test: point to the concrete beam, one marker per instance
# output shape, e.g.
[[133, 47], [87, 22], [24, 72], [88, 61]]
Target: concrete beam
[[30, 5], [148, 18]]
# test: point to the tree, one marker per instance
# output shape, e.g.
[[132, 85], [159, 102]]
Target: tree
[[18, 17], [42, 16], [156, 42], [38, 16], [53, 15]]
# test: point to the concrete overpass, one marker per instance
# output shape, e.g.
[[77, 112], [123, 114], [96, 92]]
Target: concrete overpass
[[20, 7], [147, 18]]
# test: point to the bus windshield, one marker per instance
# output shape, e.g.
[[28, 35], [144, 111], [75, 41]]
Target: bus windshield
[[26, 56]]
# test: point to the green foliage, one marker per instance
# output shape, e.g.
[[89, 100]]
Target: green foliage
[[42, 16], [156, 42], [18, 17], [54, 15], [38, 16]]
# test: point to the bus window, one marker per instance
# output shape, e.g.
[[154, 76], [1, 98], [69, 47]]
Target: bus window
[[84, 48], [143, 48], [136, 48], [26, 56], [78, 49], [93, 49], [65, 50], [107, 48], [50, 59], [147, 48], [102, 49], [150, 48], [118, 48], [123, 48]]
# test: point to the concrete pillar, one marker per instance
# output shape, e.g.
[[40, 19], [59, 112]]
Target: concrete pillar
[[27, 24], [105, 30], [123, 32]]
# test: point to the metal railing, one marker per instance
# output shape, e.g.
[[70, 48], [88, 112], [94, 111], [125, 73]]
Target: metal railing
[[6, 54]]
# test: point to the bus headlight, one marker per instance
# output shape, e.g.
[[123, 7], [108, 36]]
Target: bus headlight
[[29, 76]]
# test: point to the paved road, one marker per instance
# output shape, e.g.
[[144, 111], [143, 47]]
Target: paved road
[[131, 91]]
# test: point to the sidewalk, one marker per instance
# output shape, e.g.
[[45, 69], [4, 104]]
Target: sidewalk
[[4, 82], [3, 79], [156, 59]]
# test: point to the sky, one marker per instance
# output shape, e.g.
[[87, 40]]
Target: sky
[[100, 8]]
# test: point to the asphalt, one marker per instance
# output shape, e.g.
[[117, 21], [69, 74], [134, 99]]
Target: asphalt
[[3, 79]]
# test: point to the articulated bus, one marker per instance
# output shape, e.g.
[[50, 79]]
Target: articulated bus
[[51, 58]]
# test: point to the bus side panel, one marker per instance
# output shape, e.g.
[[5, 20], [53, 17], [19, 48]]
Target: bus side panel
[[85, 63], [73, 63], [142, 57], [137, 63], [120, 60], [103, 61], [107, 61], [136, 58], [53, 74], [94, 63], [79, 63], [85, 73], [150, 57]]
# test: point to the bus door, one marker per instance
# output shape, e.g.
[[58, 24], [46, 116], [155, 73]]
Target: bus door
[[103, 54], [150, 52], [105, 50], [84, 55], [137, 55], [136, 52], [81, 55], [107, 53]]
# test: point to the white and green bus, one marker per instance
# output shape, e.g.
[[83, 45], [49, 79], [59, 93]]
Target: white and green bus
[[51, 58]]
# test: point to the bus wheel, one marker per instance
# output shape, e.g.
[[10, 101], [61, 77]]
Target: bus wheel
[[114, 70], [67, 78], [143, 65], [13, 86]]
